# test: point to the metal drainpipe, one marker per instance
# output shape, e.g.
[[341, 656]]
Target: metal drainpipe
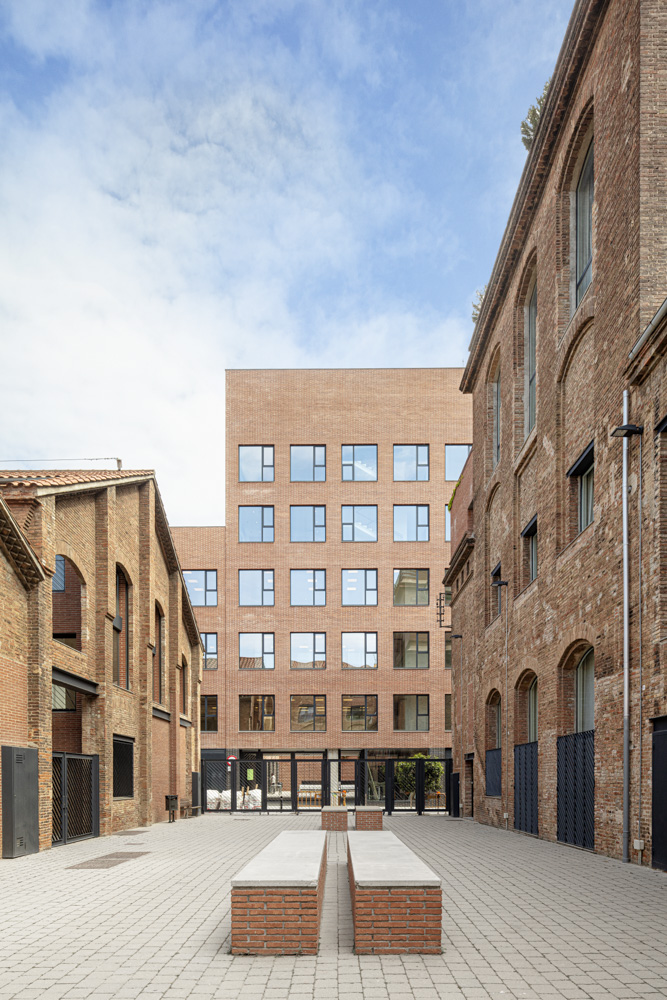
[[639, 625], [507, 733], [626, 646]]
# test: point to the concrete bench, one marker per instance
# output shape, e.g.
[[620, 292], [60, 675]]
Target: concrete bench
[[396, 898], [277, 898], [334, 818], [368, 817]]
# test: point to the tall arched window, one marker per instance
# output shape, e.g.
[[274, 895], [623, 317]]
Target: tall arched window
[[531, 361], [495, 419], [532, 712], [584, 697], [584, 226], [121, 632], [158, 658]]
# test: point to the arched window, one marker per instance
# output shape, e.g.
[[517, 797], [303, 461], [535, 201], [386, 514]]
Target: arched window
[[66, 603], [584, 698], [121, 632], [158, 658], [495, 419], [184, 687], [530, 399], [532, 712], [584, 226], [493, 762]]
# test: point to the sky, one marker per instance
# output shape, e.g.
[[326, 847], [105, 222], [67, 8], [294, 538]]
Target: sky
[[193, 185]]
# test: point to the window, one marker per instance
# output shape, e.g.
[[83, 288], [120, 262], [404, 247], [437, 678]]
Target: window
[[256, 463], [257, 712], [583, 471], [63, 699], [308, 524], [495, 424], [532, 712], [410, 462], [308, 650], [455, 459], [496, 592], [308, 713], [256, 651], [308, 587], [123, 767], [255, 524], [493, 757], [410, 587], [202, 587], [359, 650], [359, 586], [360, 462], [256, 587], [411, 523], [158, 657], [209, 713], [448, 523], [530, 360], [360, 524], [121, 632], [410, 650], [360, 713], [210, 642], [184, 688], [448, 651], [58, 580], [448, 713], [529, 535], [584, 224], [411, 713], [308, 463], [584, 708]]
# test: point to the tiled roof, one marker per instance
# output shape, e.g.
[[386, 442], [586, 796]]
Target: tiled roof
[[65, 477], [18, 549]]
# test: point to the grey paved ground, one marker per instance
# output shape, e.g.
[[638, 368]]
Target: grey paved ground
[[523, 918]]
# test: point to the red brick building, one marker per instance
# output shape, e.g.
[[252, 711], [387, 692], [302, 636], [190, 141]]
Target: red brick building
[[573, 316], [100, 656]]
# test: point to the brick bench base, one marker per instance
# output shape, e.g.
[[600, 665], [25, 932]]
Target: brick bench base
[[334, 818], [368, 818]]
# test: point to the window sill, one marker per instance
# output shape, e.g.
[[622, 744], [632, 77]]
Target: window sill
[[526, 451], [527, 590], [119, 687], [123, 798], [494, 620], [571, 544]]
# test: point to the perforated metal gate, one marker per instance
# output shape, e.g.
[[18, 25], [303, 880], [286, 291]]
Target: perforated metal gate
[[76, 798], [576, 789], [525, 787]]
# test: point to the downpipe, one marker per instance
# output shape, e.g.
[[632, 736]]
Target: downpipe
[[626, 645]]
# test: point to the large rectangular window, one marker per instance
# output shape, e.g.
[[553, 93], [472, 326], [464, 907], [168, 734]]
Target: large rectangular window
[[448, 651], [255, 524], [359, 524], [410, 650], [308, 524], [256, 651], [411, 713], [256, 463], [411, 523], [584, 224], [308, 650], [411, 463], [257, 713], [121, 632], [209, 713], [158, 657], [448, 713], [410, 587], [359, 650], [308, 713], [360, 713], [308, 587], [359, 586], [360, 462], [455, 458], [529, 535], [256, 587], [202, 586], [496, 602], [210, 642], [123, 767], [63, 699], [583, 474], [308, 463]]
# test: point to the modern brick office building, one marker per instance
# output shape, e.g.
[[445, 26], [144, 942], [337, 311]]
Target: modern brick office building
[[562, 645], [336, 490], [100, 658]]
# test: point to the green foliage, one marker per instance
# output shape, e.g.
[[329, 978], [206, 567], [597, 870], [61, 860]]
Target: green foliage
[[404, 774], [477, 302], [532, 119]]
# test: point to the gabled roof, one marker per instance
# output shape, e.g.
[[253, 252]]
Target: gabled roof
[[19, 478], [19, 551]]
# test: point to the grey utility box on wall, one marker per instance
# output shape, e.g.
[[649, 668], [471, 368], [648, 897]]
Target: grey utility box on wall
[[20, 806]]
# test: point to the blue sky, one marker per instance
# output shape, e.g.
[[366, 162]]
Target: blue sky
[[193, 185]]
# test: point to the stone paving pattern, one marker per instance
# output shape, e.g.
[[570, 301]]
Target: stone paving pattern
[[522, 918]]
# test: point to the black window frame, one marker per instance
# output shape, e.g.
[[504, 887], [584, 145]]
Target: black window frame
[[584, 274], [418, 714], [453, 444], [367, 715], [316, 715], [419, 588], [318, 638], [265, 465], [205, 638], [418, 652], [418, 465], [530, 360], [264, 714], [496, 591], [418, 507], [322, 527], [123, 758], [366, 588], [448, 712], [204, 714], [315, 463], [267, 525], [158, 654], [121, 630], [58, 578], [583, 470], [70, 698], [368, 650], [352, 464], [316, 588], [207, 589], [268, 650], [351, 523], [264, 589], [529, 535]]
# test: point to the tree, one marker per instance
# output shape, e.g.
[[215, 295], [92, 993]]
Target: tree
[[532, 119], [477, 302], [405, 772]]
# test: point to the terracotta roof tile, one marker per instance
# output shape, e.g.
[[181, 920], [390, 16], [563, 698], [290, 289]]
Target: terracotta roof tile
[[65, 477]]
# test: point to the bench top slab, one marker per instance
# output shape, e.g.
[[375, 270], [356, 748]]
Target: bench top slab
[[379, 858], [292, 859]]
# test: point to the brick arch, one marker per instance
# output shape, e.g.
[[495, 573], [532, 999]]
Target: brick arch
[[492, 732], [576, 333], [69, 606], [569, 660], [522, 686], [525, 287]]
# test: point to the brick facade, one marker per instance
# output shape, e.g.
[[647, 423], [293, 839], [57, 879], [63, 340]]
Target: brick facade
[[605, 89], [97, 522]]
